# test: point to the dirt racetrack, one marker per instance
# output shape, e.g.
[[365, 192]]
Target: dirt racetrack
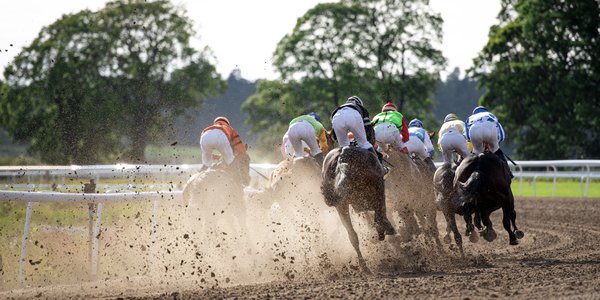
[[559, 257]]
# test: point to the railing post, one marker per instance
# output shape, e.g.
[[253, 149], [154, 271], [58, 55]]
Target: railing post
[[96, 242], [535, 186], [554, 184], [520, 180], [24, 243]]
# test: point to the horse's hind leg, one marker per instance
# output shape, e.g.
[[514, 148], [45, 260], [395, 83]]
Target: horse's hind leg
[[513, 217], [384, 226], [344, 213], [411, 227], [489, 234], [451, 225], [506, 216], [429, 222], [470, 232]]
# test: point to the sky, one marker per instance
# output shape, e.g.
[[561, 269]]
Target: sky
[[243, 33]]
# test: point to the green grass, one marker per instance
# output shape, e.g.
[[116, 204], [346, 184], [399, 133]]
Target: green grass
[[565, 188]]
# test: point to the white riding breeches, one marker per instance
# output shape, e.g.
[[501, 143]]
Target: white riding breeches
[[215, 139], [453, 141], [415, 145], [349, 120], [484, 132], [300, 132], [388, 134]]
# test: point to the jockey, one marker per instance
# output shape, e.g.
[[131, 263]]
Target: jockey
[[308, 129], [354, 117], [221, 137], [453, 138], [391, 128], [484, 128], [419, 141]]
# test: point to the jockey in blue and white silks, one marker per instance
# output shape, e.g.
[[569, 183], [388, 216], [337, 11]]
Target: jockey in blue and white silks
[[484, 127], [419, 141]]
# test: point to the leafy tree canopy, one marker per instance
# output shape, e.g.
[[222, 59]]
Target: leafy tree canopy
[[541, 71], [376, 49], [93, 80]]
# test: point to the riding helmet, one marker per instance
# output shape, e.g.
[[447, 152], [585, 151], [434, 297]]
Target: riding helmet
[[314, 115], [389, 106], [355, 100], [450, 117], [415, 123], [479, 109], [221, 119]]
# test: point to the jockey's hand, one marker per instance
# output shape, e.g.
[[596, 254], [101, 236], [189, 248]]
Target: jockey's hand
[[404, 149]]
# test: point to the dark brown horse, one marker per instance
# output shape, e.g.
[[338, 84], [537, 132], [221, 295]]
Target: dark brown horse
[[447, 200], [483, 183], [354, 176]]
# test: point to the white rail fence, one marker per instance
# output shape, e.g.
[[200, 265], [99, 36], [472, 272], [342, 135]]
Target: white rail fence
[[172, 177]]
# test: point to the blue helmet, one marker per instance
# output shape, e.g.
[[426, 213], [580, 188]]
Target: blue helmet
[[450, 117], [479, 109], [355, 100], [415, 123], [314, 115]]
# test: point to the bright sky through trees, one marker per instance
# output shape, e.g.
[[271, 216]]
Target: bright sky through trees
[[244, 34]]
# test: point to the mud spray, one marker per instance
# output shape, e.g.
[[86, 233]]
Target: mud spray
[[286, 234]]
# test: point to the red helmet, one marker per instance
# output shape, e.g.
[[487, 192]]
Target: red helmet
[[389, 106], [221, 120]]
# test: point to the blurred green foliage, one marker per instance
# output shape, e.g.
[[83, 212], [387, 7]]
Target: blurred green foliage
[[98, 86], [378, 50], [541, 71]]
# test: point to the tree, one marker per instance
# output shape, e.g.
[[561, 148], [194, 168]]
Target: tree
[[377, 49], [456, 95], [541, 71], [91, 75]]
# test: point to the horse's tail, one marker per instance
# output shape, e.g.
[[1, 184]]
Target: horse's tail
[[467, 189]]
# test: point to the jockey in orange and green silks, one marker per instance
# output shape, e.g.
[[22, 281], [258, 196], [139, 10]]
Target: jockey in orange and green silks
[[308, 129]]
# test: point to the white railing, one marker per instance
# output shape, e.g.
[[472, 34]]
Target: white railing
[[96, 201], [553, 169]]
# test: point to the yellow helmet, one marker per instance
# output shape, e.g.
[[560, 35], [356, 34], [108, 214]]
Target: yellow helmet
[[450, 117]]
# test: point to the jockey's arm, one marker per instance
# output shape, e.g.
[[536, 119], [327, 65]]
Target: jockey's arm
[[322, 139], [429, 146], [404, 131]]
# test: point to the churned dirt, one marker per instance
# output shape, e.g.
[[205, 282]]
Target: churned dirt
[[284, 256]]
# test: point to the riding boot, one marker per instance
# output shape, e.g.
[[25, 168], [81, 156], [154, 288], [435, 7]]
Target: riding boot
[[319, 158], [503, 157]]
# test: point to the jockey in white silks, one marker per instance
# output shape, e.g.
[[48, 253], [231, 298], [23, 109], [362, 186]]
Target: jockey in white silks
[[354, 117], [419, 141], [484, 128], [308, 130], [453, 138]]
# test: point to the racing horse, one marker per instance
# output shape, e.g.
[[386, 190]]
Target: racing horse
[[353, 176], [447, 201], [410, 194], [217, 193], [483, 183]]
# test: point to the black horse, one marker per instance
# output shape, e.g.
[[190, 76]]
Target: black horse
[[447, 201], [354, 176], [483, 183]]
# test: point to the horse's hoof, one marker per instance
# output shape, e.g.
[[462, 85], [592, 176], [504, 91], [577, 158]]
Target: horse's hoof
[[447, 239], [519, 234], [514, 242], [490, 235], [473, 238], [381, 236]]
